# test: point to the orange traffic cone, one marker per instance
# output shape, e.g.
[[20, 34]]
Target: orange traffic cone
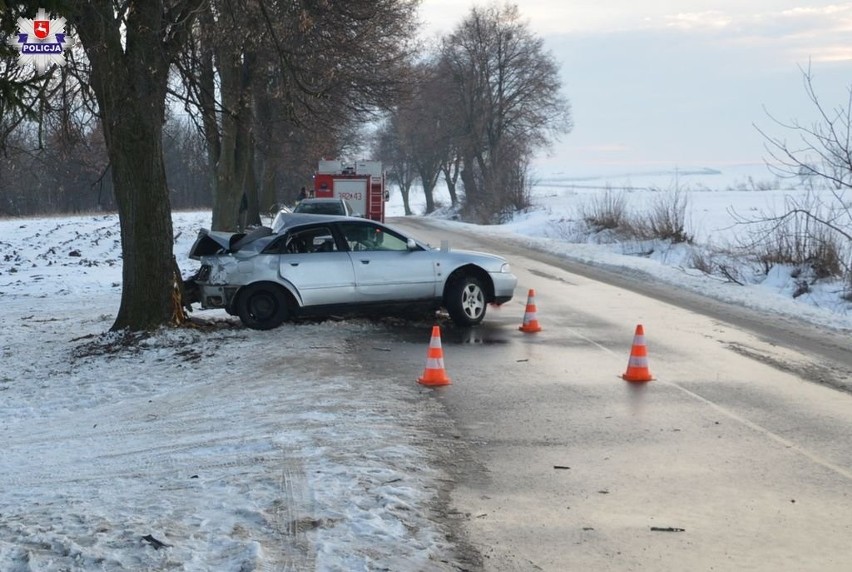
[[637, 367], [434, 373], [530, 324]]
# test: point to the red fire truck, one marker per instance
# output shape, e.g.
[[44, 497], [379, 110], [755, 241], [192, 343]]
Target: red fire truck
[[362, 184]]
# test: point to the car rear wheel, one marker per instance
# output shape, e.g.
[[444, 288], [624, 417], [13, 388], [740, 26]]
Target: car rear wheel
[[262, 307], [465, 300]]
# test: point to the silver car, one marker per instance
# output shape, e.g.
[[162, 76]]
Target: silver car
[[324, 265]]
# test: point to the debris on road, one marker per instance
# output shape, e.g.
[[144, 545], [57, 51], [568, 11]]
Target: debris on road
[[157, 544]]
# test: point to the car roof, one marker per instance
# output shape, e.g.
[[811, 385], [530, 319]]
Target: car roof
[[322, 200], [299, 219], [296, 219]]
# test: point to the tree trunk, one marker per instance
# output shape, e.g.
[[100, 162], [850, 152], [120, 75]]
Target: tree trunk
[[406, 205], [267, 195], [471, 190], [146, 224], [430, 199], [233, 199], [226, 200], [207, 105], [451, 175], [429, 182], [250, 190], [266, 159], [130, 87]]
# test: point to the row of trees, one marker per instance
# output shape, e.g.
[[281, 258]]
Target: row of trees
[[488, 97], [270, 86], [483, 104], [64, 168]]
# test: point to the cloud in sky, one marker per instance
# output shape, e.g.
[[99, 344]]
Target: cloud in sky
[[595, 17], [816, 33], [680, 83]]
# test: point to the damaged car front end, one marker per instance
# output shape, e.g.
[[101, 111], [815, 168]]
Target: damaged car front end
[[224, 257]]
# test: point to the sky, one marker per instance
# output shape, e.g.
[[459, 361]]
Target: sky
[[656, 83], [110, 448]]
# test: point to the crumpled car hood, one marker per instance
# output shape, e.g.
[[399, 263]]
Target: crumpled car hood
[[210, 242]]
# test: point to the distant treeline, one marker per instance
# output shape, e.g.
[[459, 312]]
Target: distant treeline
[[67, 171]]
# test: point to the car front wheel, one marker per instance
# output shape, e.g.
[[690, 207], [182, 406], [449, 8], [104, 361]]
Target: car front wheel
[[465, 301], [262, 307]]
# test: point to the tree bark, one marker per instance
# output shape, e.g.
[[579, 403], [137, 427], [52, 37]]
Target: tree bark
[[235, 203], [130, 86], [406, 204], [451, 174]]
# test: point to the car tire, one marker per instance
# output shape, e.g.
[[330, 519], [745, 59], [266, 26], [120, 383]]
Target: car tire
[[465, 301], [262, 307]]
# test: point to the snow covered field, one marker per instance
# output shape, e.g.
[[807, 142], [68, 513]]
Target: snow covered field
[[231, 449]]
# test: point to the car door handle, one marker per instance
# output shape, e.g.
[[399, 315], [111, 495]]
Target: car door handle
[[364, 261], [294, 264]]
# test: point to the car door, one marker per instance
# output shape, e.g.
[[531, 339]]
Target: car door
[[385, 268], [309, 259]]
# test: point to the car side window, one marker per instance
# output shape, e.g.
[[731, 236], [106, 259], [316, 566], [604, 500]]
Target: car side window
[[304, 241], [366, 237]]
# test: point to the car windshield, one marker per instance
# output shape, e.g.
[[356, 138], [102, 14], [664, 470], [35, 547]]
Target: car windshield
[[330, 208]]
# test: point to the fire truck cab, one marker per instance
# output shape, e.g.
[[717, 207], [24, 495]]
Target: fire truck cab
[[362, 184]]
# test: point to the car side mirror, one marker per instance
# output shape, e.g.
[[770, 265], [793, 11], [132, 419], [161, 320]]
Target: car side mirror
[[411, 244]]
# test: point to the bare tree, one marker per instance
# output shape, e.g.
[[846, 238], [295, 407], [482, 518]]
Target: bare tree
[[820, 153], [22, 93], [264, 75], [394, 154], [821, 150], [451, 170], [185, 163], [43, 122], [506, 92], [130, 46], [58, 162], [53, 152], [425, 130]]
